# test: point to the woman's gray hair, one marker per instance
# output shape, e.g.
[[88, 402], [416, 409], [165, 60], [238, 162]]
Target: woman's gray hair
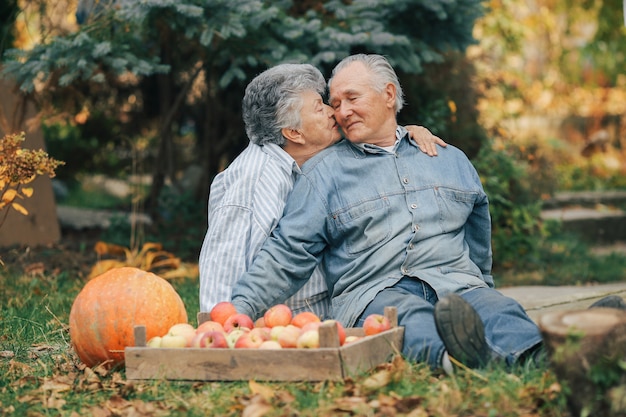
[[273, 100], [382, 74]]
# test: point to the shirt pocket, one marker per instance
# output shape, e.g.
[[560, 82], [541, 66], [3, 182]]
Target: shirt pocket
[[455, 206], [363, 226]]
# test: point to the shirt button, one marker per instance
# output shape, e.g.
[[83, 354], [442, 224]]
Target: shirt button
[[405, 180], [416, 227], [410, 246], [414, 206], [405, 271]]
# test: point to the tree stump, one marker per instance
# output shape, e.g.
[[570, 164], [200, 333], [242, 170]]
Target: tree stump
[[587, 351]]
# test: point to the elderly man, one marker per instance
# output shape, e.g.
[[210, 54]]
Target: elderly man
[[392, 227], [287, 122]]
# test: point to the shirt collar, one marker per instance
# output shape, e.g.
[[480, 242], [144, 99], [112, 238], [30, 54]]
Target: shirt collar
[[284, 160], [401, 132]]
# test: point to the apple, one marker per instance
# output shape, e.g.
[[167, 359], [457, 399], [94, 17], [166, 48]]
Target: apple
[[278, 315], [288, 337], [185, 330], [210, 339], [352, 339], [309, 340], [303, 318], [231, 338], [270, 344], [209, 325], [222, 311], [275, 331], [265, 332], [249, 340], [260, 322], [340, 330], [154, 342], [173, 341], [375, 323], [311, 326], [238, 320]]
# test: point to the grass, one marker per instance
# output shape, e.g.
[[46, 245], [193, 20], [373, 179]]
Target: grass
[[42, 376], [565, 259]]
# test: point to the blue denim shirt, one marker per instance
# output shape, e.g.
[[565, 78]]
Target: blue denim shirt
[[370, 217]]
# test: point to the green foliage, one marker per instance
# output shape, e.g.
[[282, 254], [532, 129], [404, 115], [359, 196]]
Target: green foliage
[[159, 65], [8, 12], [180, 226], [89, 148], [515, 211], [607, 53]]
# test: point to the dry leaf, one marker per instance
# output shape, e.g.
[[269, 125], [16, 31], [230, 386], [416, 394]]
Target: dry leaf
[[257, 407], [377, 380], [19, 208], [263, 390], [9, 195]]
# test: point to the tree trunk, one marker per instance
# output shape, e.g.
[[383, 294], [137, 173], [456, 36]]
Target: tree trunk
[[587, 351]]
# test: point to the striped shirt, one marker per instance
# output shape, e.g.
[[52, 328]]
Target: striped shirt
[[245, 203]]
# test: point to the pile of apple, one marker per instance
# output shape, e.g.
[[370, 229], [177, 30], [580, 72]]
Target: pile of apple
[[277, 329]]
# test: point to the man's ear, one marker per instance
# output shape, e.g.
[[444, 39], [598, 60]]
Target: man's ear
[[390, 92], [293, 135]]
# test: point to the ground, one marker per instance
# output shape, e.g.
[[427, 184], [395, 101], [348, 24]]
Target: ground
[[73, 254]]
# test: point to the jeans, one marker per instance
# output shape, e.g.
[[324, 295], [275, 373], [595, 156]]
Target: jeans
[[508, 329]]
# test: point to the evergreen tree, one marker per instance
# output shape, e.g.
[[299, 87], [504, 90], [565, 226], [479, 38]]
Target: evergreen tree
[[170, 65]]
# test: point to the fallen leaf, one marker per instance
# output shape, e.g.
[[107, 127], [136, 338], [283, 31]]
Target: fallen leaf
[[257, 407], [263, 390], [377, 381]]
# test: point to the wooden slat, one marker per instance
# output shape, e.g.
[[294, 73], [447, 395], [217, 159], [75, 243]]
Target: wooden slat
[[233, 365]]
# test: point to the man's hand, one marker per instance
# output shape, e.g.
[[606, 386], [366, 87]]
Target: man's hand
[[426, 141]]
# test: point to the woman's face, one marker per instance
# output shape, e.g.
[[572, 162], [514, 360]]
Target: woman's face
[[319, 128]]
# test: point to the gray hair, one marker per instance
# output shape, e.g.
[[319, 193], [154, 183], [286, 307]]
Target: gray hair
[[382, 74], [273, 100]]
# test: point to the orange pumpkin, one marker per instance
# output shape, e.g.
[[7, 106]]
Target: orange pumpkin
[[106, 310]]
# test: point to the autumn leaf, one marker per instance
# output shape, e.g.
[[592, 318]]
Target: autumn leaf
[[18, 207], [9, 195], [263, 390]]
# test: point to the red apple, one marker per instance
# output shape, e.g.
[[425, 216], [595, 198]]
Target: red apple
[[210, 339], [209, 325], [340, 331], [288, 337], [311, 326], [260, 322], [222, 311], [249, 340], [234, 335], [301, 319], [278, 315], [375, 323], [309, 340], [238, 320]]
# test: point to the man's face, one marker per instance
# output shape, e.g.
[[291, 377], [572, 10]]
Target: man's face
[[364, 114], [319, 128]]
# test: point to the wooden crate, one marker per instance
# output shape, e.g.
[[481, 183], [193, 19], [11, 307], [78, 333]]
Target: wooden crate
[[329, 362]]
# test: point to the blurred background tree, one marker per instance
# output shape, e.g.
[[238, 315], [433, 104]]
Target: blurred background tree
[[161, 81], [523, 87]]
